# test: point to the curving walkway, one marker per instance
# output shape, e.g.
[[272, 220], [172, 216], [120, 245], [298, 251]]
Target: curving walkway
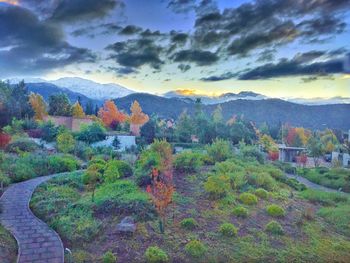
[[37, 242], [312, 185]]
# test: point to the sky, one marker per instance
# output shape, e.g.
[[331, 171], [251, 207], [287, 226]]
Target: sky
[[279, 48]]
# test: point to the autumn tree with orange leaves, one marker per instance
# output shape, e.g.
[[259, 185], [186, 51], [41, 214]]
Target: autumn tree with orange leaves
[[137, 116], [110, 115], [39, 106], [162, 187]]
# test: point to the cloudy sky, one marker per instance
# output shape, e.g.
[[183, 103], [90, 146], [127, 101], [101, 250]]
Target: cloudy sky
[[280, 48]]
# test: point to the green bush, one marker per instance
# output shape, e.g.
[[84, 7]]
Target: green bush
[[123, 197], [195, 248], [62, 163], [248, 199], [322, 197], [111, 173], [189, 223], [109, 257], [92, 133], [65, 142], [188, 162], [262, 193], [124, 168], [156, 255], [49, 131], [217, 186], [97, 160], [275, 211], [22, 145], [143, 168], [251, 152], [274, 227], [228, 229], [81, 256], [261, 179], [219, 151], [240, 211]]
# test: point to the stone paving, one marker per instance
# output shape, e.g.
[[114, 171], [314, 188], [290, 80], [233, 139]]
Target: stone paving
[[37, 242]]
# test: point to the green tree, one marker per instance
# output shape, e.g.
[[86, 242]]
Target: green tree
[[315, 149], [91, 178], [148, 131], [92, 133], [65, 142], [184, 128], [59, 105]]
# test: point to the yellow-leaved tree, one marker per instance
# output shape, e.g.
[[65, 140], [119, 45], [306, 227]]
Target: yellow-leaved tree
[[137, 116], [77, 110], [39, 106]]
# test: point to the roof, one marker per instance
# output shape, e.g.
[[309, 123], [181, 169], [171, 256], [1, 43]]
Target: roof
[[284, 147]]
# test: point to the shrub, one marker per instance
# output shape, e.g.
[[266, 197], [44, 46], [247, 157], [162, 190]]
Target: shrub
[[109, 257], [148, 160], [189, 223], [240, 211], [4, 139], [322, 197], [92, 133], [111, 173], [156, 255], [251, 152], [262, 193], [97, 160], [195, 248], [219, 151], [248, 199], [83, 151], [62, 163], [275, 210], [228, 229], [124, 168], [22, 145], [188, 162], [65, 142], [49, 131], [274, 227], [81, 256], [217, 186]]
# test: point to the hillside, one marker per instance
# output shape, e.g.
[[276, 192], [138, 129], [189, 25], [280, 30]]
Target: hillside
[[273, 111]]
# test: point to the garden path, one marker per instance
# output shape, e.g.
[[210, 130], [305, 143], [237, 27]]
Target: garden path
[[37, 242], [312, 185]]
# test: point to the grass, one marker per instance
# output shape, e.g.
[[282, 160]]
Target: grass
[[324, 198], [8, 246]]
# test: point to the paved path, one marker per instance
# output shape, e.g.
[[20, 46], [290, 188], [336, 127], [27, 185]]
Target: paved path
[[312, 185], [37, 242]]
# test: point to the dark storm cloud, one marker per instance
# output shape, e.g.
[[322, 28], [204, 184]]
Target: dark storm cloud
[[184, 67], [178, 38], [75, 10], [96, 30], [136, 53], [30, 45], [266, 55], [130, 30], [122, 71], [258, 24], [286, 68], [199, 57], [225, 76]]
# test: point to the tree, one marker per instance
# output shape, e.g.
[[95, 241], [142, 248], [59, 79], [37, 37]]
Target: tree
[[59, 105], [39, 106], [89, 108], [315, 149], [65, 142], [110, 115], [184, 127], [268, 143], [217, 115], [77, 110], [137, 116], [148, 131], [116, 142], [92, 133], [91, 178]]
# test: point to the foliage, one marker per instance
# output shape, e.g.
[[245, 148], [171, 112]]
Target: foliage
[[137, 116], [4, 139], [116, 143], [92, 133], [77, 110], [220, 150], [315, 149], [268, 143], [217, 186], [240, 211], [49, 131], [148, 131], [110, 115], [109, 257], [22, 145], [248, 199], [147, 161], [275, 211], [274, 227], [62, 163], [338, 217], [273, 155], [322, 197], [184, 128], [188, 162], [39, 106], [228, 229], [189, 223], [92, 177], [111, 174], [154, 254], [251, 153], [195, 248], [59, 105], [65, 142], [261, 193]]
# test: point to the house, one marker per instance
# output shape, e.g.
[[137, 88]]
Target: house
[[341, 158], [289, 153], [71, 123]]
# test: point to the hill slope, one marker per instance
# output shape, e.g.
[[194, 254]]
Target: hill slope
[[273, 111]]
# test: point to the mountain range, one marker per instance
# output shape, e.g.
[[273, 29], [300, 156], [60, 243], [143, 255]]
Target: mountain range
[[252, 106]]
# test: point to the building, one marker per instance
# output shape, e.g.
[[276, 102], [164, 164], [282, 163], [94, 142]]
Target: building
[[289, 153], [126, 142], [342, 158], [71, 123]]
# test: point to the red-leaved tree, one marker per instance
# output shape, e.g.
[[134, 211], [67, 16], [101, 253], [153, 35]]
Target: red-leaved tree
[[273, 155], [4, 139]]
